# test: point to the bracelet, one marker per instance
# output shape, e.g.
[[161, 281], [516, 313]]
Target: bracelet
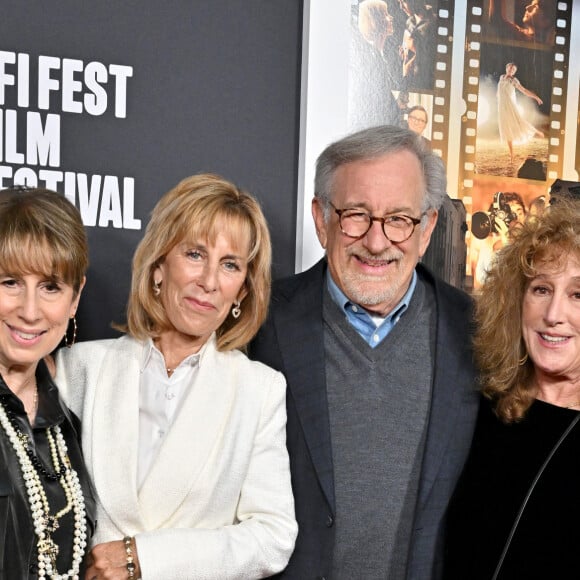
[[128, 543]]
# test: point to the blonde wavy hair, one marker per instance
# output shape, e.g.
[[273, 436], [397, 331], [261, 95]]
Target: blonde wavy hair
[[373, 20], [199, 207], [500, 351]]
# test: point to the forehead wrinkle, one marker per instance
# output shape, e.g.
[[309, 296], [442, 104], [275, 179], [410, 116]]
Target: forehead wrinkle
[[365, 206]]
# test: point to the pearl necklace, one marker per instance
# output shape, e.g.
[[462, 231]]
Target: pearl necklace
[[44, 523]]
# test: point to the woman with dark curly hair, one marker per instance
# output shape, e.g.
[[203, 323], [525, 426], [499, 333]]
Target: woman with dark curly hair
[[516, 509]]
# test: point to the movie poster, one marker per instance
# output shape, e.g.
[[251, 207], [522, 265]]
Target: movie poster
[[513, 139], [489, 84], [398, 71]]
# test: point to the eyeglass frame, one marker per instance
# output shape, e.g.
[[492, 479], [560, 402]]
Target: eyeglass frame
[[372, 218], [417, 120]]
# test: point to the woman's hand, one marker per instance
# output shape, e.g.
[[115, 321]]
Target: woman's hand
[[108, 561]]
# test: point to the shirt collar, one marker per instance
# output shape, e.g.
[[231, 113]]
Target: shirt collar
[[49, 410], [152, 353]]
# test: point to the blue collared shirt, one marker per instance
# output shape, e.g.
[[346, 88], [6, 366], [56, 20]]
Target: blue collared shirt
[[362, 321]]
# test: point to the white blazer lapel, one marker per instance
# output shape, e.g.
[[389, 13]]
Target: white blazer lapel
[[197, 426], [115, 433]]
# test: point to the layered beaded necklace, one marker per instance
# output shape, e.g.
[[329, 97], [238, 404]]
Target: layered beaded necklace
[[45, 523]]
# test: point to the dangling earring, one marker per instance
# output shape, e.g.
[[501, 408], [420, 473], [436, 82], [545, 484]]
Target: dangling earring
[[236, 310], [68, 343], [156, 288]]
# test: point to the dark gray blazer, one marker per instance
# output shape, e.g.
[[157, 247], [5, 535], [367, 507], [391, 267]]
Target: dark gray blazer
[[291, 341]]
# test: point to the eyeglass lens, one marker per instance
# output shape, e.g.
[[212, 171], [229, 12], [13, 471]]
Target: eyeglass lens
[[396, 228]]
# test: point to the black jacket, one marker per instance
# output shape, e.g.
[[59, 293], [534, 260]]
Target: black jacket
[[292, 341], [18, 556]]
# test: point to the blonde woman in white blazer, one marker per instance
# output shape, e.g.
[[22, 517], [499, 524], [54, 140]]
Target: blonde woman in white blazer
[[183, 435]]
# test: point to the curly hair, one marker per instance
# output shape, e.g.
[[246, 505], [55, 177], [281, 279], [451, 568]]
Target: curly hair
[[500, 351]]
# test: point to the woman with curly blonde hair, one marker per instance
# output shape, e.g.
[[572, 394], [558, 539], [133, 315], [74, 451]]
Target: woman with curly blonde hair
[[516, 507]]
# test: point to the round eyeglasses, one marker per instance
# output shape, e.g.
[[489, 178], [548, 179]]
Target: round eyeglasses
[[355, 223]]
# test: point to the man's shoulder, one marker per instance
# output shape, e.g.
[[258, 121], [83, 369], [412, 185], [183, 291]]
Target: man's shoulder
[[310, 281], [295, 311], [446, 293]]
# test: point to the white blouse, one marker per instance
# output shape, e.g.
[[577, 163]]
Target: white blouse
[[160, 397]]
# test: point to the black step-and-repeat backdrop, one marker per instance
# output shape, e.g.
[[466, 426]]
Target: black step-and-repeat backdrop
[[112, 103]]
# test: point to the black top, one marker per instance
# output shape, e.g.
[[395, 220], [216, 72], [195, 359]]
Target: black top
[[17, 539], [503, 462]]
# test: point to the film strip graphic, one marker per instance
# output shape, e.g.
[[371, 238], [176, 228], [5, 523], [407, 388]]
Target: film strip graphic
[[419, 59], [477, 41], [442, 77]]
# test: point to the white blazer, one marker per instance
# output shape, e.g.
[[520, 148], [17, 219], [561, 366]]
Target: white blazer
[[217, 502]]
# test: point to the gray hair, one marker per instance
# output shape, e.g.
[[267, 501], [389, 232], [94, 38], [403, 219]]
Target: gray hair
[[375, 142]]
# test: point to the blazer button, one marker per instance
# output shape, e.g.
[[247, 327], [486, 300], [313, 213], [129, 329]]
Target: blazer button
[[329, 521]]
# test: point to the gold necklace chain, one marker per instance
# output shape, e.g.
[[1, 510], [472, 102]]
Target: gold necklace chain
[[32, 413]]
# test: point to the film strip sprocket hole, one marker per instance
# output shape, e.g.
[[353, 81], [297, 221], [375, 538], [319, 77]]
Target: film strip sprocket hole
[[442, 77], [476, 41], [471, 97]]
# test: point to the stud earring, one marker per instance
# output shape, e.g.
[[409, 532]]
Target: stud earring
[[236, 310]]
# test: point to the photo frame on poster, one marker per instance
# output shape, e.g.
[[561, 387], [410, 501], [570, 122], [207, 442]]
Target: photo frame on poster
[[323, 107]]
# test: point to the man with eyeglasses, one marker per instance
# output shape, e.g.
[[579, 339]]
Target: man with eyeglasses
[[381, 396], [417, 120]]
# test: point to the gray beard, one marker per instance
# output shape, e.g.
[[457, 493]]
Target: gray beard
[[386, 292]]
